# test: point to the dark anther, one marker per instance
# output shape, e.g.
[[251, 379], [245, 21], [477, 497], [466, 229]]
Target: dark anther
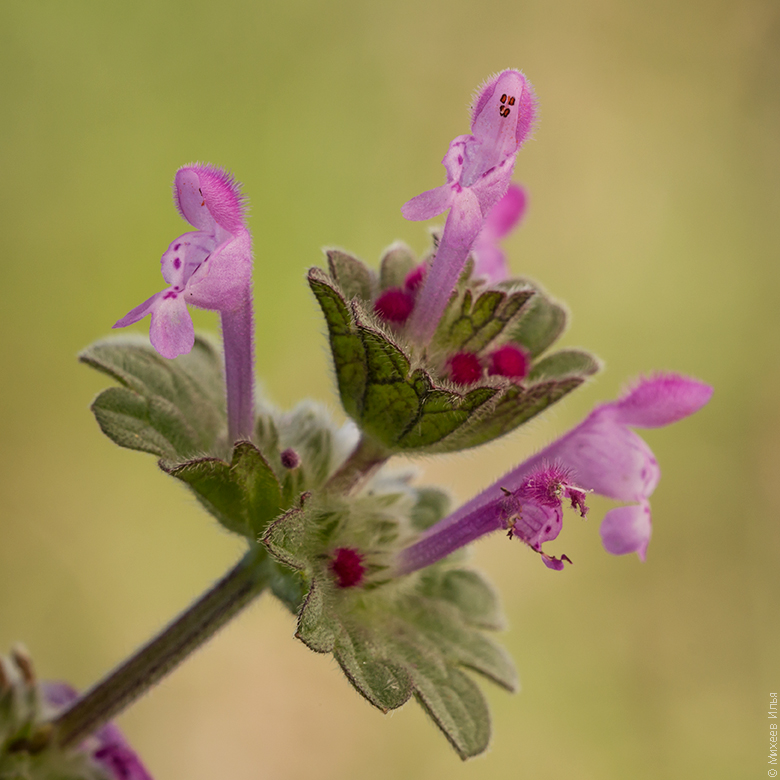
[[511, 101], [503, 98]]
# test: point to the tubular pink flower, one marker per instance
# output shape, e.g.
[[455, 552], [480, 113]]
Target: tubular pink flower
[[479, 167], [210, 268], [600, 455]]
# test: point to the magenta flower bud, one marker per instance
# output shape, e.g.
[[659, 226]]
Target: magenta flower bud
[[290, 458], [479, 167], [394, 305], [511, 361], [415, 278], [210, 268], [465, 368], [347, 567], [600, 455]]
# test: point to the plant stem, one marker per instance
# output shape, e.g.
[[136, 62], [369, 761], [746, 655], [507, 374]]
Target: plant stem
[[362, 463], [129, 681]]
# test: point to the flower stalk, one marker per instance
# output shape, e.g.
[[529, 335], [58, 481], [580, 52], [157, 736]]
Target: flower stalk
[[363, 462], [133, 678]]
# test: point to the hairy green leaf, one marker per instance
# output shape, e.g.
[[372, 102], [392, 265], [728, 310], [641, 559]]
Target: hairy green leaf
[[171, 408]]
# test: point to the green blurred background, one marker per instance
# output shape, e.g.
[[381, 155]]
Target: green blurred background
[[653, 180]]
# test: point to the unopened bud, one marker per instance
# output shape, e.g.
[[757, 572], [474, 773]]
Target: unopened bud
[[290, 458]]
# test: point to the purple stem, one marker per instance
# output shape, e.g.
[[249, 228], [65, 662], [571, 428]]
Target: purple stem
[[237, 333], [438, 542]]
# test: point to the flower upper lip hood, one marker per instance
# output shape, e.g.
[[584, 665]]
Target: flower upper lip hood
[[210, 267], [502, 117]]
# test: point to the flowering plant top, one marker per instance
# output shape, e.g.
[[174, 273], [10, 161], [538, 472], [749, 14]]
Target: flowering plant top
[[431, 354]]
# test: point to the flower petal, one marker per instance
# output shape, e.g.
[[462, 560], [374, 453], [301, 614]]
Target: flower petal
[[537, 523], [428, 204], [139, 312], [121, 762], [189, 198], [222, 281], [627, 529], [490, 260], [501, 111], [488, 97], [206, 195], [661, 400], [171, 331], [608, 458], [112, 751], [184, 256]]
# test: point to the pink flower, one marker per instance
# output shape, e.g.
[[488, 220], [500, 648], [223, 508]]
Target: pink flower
[[601, 455], [210, 267], [479, 167]]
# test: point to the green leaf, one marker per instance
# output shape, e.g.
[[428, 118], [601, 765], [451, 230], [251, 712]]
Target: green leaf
[[349, 355], [390, 401], [402, 409], [383, 681], [147, 424], [432, 505], [352, 275], [462, 644], [244, 496], [550, 380], [395, 265], [289, 586], [289, 537], [566, 363], [316, 629], [481, 320], [469, 592], [540, 326], [396, 638], [171, 408], [458, 708]]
